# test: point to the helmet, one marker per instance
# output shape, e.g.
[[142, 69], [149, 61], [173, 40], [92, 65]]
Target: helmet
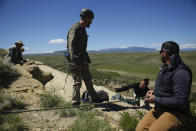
[[19, 43], [87, 13], [171, 47], [146, 80]]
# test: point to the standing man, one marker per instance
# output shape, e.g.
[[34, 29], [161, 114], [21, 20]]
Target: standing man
[[79, 60], [171, 93]]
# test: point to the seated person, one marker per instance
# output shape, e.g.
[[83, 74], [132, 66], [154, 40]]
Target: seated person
[[140, 89], [15, 53]]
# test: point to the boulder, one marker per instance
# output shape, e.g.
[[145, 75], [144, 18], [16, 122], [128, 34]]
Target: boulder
[[40, 75]]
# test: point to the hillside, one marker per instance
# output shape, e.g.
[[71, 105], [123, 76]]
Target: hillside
[[121, 67], [108, 69], [27, 89]]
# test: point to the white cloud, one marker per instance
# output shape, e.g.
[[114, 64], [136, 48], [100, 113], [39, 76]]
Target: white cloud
[[49, 51], [124, 47], [57, 41], [188, 46], [156, 46]]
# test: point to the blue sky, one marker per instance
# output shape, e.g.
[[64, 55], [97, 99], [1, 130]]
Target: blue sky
[[43, 24]]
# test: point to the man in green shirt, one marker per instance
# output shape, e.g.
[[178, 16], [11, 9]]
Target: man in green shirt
[[79, 60]]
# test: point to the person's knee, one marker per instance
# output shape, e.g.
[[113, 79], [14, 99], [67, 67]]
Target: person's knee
[[167, 122], [139, 128], [142, 125]]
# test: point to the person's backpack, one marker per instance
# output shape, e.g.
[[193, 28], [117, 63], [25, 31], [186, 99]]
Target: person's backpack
[[101, 94]]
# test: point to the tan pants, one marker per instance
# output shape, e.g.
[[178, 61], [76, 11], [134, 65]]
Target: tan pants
[[86, 76], [161, 120]]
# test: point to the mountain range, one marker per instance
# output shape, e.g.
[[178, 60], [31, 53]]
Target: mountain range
[[128, 49]]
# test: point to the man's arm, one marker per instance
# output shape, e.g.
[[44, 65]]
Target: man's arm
[[74, 53], [127, 87], [181, 88]]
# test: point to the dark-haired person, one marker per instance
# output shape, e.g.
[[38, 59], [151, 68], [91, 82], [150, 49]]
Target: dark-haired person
[[171, 93], [140, 89], [79, 60]]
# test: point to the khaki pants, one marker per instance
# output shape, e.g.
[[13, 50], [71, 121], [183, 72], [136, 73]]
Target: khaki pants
[[86, 76], [162, 120]]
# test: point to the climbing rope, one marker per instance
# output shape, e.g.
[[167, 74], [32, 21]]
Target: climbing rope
[[56, 108]]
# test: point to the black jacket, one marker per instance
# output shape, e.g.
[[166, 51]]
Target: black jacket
[[173, 85]]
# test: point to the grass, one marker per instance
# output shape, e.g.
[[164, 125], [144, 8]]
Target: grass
[[11, 122], [128, 122], [87, 121]]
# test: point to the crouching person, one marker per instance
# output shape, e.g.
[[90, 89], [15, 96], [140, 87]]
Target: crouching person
[[171, 93], [15, 54]]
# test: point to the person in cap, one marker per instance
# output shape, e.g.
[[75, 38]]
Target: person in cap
[[139, 89], [15, 53], [79, 60], [171, 93]]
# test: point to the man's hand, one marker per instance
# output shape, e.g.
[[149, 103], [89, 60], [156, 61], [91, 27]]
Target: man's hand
[[149, 96], [150, 92]]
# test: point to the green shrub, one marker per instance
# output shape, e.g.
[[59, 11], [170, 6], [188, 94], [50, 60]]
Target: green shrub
[[193, 97], [11, 122], [127, 122], [7, 75], [10, 103], [87, 121], [18, 105], [68, 112], [193, 109], [2, 52], [191, 124], [50, 101], [139, 114]]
